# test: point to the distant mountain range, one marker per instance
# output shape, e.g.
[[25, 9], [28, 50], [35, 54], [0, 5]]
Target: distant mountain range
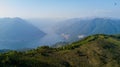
[[75, 29], [17, 33], [5, 50]]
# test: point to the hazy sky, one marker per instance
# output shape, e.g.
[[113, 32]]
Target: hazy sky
[[59, 8]]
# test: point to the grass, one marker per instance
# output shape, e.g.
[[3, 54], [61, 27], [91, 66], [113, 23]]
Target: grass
[[93, 51]]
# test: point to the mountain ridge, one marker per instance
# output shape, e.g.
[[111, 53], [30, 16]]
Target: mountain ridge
[[86, 27], [93, 51], [17, 31]]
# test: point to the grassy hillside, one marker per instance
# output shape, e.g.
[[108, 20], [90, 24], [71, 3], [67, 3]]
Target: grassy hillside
[[93, 51]]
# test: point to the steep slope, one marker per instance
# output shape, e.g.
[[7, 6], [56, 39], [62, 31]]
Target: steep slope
[[80, 28], [93, 51], [16, 32], [47, 26]]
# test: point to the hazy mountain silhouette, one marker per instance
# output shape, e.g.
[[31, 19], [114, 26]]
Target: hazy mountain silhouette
[[18, 33], [78, 28]]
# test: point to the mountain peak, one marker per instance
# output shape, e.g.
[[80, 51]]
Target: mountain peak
[[17, 32], [89, 27]]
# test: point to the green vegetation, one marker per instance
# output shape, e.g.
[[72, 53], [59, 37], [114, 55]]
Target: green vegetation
[[93, 51]]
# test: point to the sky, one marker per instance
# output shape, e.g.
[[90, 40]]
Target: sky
[[59, 8]]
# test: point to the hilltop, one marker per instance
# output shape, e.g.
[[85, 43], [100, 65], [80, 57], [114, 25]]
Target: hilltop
[[93, 51]]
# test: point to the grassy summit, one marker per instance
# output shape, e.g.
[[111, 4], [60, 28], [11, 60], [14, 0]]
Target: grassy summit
[[93, 51]]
